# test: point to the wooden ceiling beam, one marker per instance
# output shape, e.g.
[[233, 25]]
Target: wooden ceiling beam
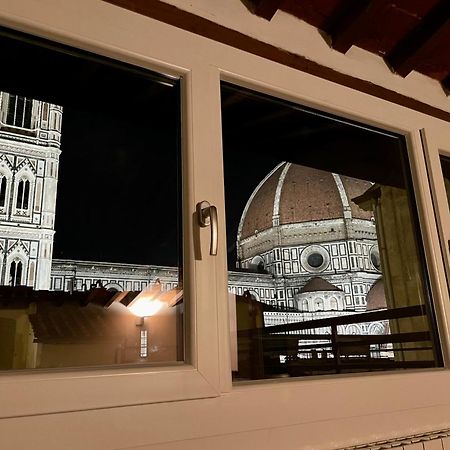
[[349, 23], [266, 8], [432, 31], [446, 85]]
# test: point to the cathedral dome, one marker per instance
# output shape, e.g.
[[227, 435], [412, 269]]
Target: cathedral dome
[[297, 205], [297, 194]]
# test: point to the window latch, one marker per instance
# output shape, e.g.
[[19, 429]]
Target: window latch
[[207, 217]]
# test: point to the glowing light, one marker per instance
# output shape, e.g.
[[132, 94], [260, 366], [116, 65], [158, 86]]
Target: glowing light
[[147, 303], [145, 307]]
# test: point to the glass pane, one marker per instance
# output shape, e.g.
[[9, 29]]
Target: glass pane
[[445, 166], [90, 212], [326, 274]]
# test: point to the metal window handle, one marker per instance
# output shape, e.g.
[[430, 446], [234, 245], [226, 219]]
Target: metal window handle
[[207, 216]]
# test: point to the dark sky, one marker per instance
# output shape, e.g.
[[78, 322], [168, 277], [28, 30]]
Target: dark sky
[[118, 177], [118, 188]]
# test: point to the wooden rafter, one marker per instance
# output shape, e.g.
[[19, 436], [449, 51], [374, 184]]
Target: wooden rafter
[[446, 85], [433, 31], [409, 34], [266, 8], [349, 23]]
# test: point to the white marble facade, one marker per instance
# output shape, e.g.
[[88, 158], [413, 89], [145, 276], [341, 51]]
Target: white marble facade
[[30, 138]]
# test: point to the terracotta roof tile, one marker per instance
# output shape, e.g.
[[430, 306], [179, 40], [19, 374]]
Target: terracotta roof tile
[[308, 195]]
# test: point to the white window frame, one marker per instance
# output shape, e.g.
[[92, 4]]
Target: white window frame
[[42, 392], [202, 63], [437, 145]]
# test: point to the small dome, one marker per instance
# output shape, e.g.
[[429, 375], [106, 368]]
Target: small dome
[[316, 284], [376, 298]]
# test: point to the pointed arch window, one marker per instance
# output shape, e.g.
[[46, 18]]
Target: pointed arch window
[[19, 111], [2, 191], [15, 273], [23, 194]]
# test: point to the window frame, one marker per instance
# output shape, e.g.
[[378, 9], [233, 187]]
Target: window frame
[[203, 64], [437, 144], [52, 391], [380, 114]]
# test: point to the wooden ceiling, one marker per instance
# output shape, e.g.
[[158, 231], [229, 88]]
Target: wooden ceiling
[[408, 34]]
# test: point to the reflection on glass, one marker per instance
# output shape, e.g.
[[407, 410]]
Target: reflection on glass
[[325, 271], [445, 166], [89, 161]]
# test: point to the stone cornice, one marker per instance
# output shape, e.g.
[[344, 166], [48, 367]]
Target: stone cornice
[[25, 149], [25, 233], [61, 265]]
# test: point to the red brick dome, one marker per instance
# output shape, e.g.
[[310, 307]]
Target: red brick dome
[[297, 194]]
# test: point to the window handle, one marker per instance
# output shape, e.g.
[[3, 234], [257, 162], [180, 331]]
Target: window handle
[[207, 216]]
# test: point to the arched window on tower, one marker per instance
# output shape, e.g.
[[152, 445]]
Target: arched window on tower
[[19, 111], [23, 194], [15, 273], [2, 191]]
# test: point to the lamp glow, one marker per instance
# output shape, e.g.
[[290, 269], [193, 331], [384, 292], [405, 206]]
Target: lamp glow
[[145, 307], [147, 303]]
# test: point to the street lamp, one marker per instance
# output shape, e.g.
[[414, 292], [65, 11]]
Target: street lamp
[[145, 304]]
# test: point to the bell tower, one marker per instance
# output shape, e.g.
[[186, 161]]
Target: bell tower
[[30, 140]]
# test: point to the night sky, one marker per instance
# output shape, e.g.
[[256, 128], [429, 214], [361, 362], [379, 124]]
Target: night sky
[[118, 189], [118, 180]]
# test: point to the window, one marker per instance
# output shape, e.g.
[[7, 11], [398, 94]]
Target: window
[[23, 194], [19, 111], [99, 189], [315, 260], [306, 169], [445, 167], [2, 191], [15, 273]]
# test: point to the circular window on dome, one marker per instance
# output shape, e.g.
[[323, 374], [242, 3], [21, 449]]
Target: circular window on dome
[[375, 258], [315, 260]]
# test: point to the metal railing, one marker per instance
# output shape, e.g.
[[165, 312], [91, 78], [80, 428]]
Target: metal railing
[[296, 349]]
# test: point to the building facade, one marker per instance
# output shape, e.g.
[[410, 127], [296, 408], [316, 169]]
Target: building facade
[[30, 139], [301, 223]]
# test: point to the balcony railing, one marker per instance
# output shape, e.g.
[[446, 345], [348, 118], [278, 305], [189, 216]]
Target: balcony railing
[[297, 349]]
